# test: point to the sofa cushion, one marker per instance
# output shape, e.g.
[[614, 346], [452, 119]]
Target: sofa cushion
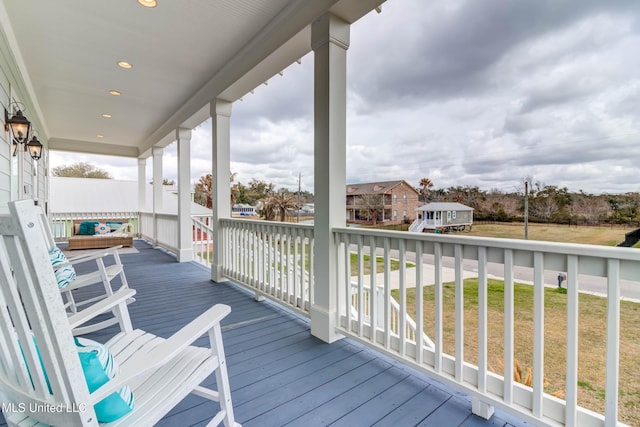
[[87, 228]]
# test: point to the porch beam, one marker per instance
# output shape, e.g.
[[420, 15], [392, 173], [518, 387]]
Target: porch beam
[[330, 41], [185, 233], [221, 191]]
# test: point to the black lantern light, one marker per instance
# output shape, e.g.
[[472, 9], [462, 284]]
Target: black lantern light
[[35, 148], [18, 124]]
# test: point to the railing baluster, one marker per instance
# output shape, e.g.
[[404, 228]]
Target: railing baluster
[[571, 394], [360, 284], [538, 333], [373, 290], [437, 276], [387, 295], [508, 326], [459, 308], [419, 304], [482, 319], [613, 343], [402, 319]]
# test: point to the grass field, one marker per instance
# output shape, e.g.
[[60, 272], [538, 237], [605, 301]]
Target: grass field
[[592, 333], [607, 236]]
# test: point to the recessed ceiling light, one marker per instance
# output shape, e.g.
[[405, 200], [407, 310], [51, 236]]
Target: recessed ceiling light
[[115, 92], [148, 3], [106, 116], [125, 64], [100, 136]]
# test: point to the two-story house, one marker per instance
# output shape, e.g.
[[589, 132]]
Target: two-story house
[[393, 202]]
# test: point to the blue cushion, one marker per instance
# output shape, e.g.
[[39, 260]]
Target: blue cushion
[[99, 367], [87, 228], [114, 225], [64, 274]]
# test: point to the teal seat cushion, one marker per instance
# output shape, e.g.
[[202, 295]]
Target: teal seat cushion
[[87, 228], [99, 367], [64, 272], [114, 225]]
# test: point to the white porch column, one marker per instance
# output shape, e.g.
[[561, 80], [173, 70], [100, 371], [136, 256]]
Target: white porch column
[[157, 189], [330, 41], [185, 233], [142, 184], [220, 133]]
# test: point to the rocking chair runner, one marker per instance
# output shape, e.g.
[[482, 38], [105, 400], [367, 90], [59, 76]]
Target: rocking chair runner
[[104, 274], [39, 363]]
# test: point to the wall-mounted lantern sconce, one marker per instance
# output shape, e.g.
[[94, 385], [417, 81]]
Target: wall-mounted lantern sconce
[[19, 126], [35, 148]]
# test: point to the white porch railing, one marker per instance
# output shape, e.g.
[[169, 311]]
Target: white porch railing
[[470, 372], [274, 259], [202, 240], [161, 229]]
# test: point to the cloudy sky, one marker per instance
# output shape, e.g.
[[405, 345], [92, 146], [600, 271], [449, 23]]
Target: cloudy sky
[[464, 92]]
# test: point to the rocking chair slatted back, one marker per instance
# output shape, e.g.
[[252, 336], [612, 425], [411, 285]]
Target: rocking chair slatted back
[[32, 311]]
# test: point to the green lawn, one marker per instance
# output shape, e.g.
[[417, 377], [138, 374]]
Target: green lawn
[[592, 333]]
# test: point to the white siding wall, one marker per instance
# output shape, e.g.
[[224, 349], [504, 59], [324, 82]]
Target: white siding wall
[[13, 88]]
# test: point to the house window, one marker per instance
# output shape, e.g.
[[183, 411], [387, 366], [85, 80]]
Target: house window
[[404, 214], [395, 215], [395, 198], [404, 199], [453, 214]]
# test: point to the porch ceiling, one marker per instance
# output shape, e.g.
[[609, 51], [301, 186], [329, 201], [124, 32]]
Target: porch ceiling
[[184, 55]]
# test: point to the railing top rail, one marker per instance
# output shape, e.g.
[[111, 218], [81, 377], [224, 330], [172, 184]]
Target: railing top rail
[[515, 244], [257, 222]]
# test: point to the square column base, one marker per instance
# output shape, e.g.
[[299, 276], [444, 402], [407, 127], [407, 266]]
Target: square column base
[[323, 325]]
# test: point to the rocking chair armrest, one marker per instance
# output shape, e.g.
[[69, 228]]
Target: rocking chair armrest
[[98, 253], [102, 306], [143, 362]]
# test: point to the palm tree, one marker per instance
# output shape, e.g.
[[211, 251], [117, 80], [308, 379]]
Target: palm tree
[[425, 188], [279, 203]]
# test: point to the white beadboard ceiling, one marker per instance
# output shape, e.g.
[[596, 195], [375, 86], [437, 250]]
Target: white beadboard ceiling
[[184, 54]]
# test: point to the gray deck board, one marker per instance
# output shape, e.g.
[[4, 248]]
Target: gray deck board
[[280, 374]]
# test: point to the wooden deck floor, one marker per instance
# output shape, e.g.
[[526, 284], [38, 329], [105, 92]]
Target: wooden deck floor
[[279, 373]]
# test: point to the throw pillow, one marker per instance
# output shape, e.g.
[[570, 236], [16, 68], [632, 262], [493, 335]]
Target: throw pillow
[[102, 229], [99, 367], [64, 272], [87, 228], [113, 225]]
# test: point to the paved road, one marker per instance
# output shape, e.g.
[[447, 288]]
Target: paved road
[[629, 290]]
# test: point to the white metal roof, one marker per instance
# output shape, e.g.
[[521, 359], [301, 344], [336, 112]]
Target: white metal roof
[[109, 195], [444, 206]]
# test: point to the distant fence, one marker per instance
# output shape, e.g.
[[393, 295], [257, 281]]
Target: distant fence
[[630, 238]]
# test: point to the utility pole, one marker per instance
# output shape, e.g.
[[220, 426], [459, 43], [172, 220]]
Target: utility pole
[[299, 189], [526, 210]]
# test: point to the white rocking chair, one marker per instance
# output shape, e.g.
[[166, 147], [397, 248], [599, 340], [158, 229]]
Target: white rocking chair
[[41, 377], [104, 274]]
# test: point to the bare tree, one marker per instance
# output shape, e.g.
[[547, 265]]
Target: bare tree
[[371, 206], [81, 170]]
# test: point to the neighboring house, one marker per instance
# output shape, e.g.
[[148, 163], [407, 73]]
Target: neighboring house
[[442, 216], [399, 201], [242, 209]]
